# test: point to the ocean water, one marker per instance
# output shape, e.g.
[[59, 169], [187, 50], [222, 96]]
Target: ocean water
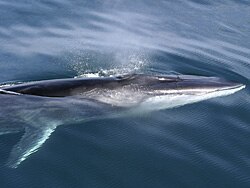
[[205, 144]]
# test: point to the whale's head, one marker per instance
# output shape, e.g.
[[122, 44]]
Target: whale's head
[[181, 84], [176, 90]]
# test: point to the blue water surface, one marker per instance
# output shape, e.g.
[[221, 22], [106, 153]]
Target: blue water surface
[[205, 144]]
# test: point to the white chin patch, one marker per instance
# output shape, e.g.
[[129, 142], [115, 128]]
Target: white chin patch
[[176, 100], [125, 97]]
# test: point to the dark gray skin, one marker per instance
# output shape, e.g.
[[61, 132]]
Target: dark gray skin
[[148, 84]]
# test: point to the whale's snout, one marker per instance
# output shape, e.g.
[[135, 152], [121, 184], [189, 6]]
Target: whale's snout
[[206, 83]]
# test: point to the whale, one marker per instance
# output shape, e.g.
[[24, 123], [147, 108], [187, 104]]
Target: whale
[[36, 108], [134, 88]]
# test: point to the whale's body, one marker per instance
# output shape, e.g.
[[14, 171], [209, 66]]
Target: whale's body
[[129, 90], [37, 108]]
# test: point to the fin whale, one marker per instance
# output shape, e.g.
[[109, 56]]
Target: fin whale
[[37, 108], [132, 89], [145, 83]]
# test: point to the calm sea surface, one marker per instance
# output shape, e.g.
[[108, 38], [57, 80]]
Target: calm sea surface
[[205, 144]]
